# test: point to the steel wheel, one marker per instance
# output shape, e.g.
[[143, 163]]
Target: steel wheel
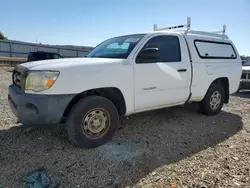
[[92, 122], [215, 100], [96, 123]]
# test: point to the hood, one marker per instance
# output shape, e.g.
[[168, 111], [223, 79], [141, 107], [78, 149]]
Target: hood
[[246, 68], [68, 62]]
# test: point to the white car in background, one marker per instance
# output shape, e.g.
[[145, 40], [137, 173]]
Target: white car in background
[[245, 76]]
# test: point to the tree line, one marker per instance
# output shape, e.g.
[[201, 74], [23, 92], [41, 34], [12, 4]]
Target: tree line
[[2, 37]]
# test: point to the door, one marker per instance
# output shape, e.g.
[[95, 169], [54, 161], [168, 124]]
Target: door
[[162, 75]]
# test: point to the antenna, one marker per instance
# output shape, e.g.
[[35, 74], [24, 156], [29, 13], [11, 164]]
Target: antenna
[[188, 25]]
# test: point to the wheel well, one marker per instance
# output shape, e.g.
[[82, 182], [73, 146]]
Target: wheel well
[[111, 93], [225, 84]]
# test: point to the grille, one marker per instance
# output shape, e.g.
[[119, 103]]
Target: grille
[[16, 78], [244, 76]]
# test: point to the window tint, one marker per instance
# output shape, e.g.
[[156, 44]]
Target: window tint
[[38, 56], [56, 56], [30, 56], [48, 56], [42, 56], [169, 48], [247, 63]]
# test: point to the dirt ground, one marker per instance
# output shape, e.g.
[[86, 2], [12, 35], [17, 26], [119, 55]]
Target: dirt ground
[[172, 147]]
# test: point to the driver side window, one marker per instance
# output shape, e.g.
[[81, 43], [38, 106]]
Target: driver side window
[[168, 48]]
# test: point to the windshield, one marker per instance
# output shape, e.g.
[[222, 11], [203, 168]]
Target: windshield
[[118, 47]]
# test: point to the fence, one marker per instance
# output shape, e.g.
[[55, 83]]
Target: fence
[[10, 48]]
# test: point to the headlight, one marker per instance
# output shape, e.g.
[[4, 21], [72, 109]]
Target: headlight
[[40, 80]]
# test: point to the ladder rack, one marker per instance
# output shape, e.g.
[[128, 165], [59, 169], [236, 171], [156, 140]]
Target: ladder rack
[[188, 30], [223, 30], [188, 25]]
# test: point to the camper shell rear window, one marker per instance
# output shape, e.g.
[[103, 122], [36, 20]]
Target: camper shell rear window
[[214, 50]]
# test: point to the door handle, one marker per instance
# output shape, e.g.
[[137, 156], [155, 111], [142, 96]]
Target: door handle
[[182, 70]]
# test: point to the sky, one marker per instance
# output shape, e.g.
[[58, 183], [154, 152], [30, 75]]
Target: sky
[[89, 22]]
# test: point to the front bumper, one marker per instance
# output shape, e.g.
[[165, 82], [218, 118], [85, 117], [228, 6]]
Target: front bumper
[[35, 109]]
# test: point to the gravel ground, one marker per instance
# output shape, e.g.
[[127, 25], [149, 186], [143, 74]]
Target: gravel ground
[[164, 148]]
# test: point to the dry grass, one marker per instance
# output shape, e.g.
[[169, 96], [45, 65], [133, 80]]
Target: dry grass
[[13, 59]]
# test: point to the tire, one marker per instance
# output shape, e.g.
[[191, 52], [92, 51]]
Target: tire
[[205, 105], [87, 117]]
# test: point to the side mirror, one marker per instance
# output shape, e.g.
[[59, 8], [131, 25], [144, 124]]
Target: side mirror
[[148, 54]]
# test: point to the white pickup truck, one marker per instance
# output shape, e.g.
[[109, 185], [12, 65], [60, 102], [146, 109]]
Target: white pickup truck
[[126, 75]]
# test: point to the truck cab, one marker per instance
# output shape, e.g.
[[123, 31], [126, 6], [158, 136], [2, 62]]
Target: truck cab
[[126, 75]]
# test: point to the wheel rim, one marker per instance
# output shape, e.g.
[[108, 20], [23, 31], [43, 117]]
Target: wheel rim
[[215, 100], [95, 123]]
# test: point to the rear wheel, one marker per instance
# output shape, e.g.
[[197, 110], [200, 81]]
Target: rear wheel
[[213, 101], [92, 122]]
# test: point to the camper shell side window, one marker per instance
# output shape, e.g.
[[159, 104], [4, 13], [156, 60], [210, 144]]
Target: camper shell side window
[[214, 50]]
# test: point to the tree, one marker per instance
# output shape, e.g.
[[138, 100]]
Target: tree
[[2, 36]]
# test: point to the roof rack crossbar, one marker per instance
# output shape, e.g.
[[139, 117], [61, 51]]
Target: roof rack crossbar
[[204, 33], [188, 25], [188, 30]]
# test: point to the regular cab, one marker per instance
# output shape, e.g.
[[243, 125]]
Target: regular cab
[[126, 75]]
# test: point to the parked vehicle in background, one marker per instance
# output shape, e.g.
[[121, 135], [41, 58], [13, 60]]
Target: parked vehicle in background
[[127, 75], [41, 55], [245, 76]]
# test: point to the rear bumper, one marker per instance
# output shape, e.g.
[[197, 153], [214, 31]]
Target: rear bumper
[[33, 109]]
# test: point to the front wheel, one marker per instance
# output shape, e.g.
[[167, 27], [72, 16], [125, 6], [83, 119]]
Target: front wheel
[[92, 122], [213, 101]]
